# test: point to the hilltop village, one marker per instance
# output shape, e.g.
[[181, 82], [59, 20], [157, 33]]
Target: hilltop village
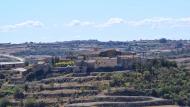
[[93, 73]]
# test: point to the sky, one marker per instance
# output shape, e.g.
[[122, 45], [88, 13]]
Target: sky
[[104, 20]]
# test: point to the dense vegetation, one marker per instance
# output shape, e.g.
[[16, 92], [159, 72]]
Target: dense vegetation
[[110, 53], [64, 63], [16, 90], [40, 72], [33, 103], [159, 78]]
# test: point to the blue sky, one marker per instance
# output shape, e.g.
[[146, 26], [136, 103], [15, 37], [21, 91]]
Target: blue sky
[[62, 20]]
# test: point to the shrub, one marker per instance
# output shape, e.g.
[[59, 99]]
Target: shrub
[[18, 94], [33, 103]]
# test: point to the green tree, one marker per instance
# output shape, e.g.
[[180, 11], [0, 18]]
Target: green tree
[[18, 94], [163, 40]]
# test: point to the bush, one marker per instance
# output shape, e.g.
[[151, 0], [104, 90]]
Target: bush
[[118, 79], [39, 74], [159, 78], [18, 94], [2, 76], [64, 64], [10, 90], [33, 103]]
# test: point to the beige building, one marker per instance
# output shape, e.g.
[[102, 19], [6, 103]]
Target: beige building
[[101, 62], [105, 62]]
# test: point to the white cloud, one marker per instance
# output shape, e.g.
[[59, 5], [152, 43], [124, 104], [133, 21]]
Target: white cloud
[[30, 23], [80, 23], [161, 22], [150, 21], [154, 22], [112, 21]]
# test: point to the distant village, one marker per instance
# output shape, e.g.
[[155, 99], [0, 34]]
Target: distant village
[[87, 56], [35, 62]]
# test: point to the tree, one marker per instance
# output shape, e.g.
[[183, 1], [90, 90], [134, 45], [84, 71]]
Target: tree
[[18, 94], [26, 87], [2, 76], [163, 40], [110, 53], [179, 45]]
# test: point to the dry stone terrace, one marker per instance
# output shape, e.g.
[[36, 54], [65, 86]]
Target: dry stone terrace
[[78, 89], [84, 91]]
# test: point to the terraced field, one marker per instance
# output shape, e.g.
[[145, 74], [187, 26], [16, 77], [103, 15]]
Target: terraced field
[[85, 91], [183, 62]]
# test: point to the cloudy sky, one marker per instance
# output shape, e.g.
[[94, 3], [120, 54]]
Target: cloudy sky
[[62, 20]]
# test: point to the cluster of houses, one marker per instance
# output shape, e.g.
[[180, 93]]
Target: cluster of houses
[[11, 67], [95, 62], [110, 60]]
